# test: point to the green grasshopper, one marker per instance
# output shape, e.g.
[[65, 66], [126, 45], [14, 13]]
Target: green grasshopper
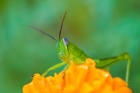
[[69, 52]]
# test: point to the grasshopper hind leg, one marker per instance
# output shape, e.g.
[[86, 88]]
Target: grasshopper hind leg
[[105, 63]]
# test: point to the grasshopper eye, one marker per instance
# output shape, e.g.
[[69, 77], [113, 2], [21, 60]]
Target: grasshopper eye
[[65, 40]]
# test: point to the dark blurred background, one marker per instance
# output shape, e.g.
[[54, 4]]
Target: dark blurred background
[[102, 28]]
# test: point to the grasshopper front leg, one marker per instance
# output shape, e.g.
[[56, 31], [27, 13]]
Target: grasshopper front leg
[[103, 63], [54, 67]]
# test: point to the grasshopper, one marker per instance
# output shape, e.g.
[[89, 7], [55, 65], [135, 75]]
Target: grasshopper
[[67, 52]]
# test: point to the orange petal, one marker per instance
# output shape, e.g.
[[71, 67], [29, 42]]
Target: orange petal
[[84, 78]]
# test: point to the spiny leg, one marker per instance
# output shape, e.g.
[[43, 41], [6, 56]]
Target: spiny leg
[[54, 67], [65, 69], [103, 63]]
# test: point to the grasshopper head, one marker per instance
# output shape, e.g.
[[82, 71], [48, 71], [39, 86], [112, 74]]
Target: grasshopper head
[[62, 50]]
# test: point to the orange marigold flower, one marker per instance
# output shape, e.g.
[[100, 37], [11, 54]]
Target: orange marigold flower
[[85, 78]]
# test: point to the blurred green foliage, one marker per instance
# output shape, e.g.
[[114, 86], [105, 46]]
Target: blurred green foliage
[[102, 28]]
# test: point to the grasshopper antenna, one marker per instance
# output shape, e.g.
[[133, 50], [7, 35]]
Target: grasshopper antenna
[[62, 25], [43, 33]]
